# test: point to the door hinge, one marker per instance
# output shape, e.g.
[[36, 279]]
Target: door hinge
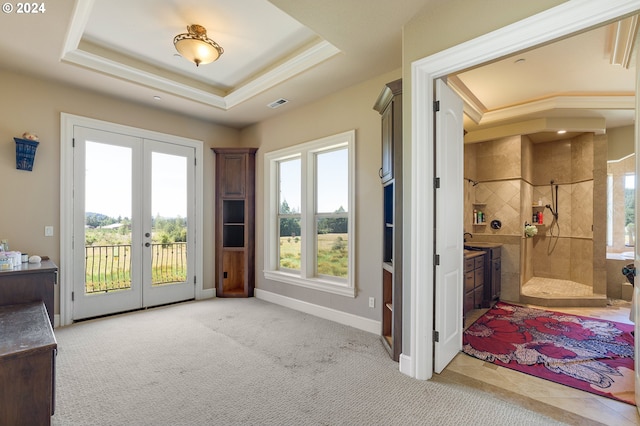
[[73, 142], [436, 183], [436, 336], [194, 280], [436, 259], [73, 293], [436, 106]]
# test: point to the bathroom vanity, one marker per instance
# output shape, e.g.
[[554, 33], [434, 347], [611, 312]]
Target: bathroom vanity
[[492, 270], [473, 280]]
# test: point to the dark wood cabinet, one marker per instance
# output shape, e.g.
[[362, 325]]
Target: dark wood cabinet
[[32, 282], [235, 221], [493, 276], [27, 365], [473, 281], [389, 105]]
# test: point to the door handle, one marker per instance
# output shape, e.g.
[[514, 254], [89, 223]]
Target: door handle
[[147, 234], [147, 244]]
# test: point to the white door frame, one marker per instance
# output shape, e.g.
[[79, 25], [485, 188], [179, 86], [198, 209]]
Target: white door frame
[[552, 24], [67, 123]]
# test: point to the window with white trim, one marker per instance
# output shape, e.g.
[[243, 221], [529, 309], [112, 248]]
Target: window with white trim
[[309, 211]]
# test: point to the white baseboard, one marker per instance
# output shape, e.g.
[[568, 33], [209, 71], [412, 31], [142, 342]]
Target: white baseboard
[[206, 293], [405, 365], [351, 320]]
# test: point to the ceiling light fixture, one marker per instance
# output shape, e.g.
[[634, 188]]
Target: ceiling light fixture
[[195, 46]]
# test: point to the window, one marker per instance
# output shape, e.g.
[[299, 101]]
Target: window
[[309, 208], [629, 209]]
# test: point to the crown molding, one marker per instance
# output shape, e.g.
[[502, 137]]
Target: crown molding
[[559, 102]]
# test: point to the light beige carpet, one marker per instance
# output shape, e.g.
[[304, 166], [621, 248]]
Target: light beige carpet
[[248, 362]]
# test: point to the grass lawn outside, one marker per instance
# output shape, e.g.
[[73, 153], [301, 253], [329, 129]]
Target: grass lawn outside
[[333, 256]]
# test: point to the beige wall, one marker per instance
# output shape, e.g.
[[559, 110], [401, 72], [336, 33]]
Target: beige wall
[[348, 109], [31, 200], [621, 142]]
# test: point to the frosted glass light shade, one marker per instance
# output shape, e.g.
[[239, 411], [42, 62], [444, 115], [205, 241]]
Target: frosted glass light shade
[[195, 46]]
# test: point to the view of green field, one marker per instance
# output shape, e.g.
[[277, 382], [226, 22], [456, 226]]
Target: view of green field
[[108, 252], [333, 257]]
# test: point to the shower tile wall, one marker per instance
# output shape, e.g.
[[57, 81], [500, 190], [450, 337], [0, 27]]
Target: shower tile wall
[[570, 164]]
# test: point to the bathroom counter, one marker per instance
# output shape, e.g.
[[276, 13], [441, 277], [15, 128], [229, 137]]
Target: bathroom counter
[[470, 254], [482, 245]]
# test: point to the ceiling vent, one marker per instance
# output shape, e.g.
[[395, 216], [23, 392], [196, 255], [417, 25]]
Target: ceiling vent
[[277, 103]]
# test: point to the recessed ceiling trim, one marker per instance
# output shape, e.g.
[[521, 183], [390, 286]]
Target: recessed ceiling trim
[[623, 40], [309, 57], [473, 108], [305, 59], [560, 102], [81, 13], [135, 75], [595, 125]]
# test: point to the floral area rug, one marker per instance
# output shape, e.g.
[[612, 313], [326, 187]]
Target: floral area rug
[[590, 354]]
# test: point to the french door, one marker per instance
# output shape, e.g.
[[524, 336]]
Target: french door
[[133, 242]]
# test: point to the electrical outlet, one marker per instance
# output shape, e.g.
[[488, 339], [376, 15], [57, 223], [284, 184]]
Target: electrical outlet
[[48, 231], [372, 302]]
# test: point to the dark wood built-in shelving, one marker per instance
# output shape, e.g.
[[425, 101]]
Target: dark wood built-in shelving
[[235, 221], [389, 105]]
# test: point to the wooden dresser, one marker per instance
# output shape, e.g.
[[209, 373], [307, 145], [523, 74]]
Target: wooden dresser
[[27, 365], [32, 282]]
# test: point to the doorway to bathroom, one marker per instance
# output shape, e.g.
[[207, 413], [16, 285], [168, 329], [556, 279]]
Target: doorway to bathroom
[[546, 191]]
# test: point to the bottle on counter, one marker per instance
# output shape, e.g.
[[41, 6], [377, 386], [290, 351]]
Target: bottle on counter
[[540, 218]]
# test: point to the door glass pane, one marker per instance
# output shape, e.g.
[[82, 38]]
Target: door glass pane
[[169, 222], [107, 217], [289, 193], [332, 201]]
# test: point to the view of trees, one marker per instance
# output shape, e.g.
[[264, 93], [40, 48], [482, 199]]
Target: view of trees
[[101, 230], [291, 226], [332, 241]]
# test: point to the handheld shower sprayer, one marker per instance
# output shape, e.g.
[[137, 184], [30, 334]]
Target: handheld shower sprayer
[[554, 201]]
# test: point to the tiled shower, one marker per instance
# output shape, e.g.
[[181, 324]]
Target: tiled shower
[[513, 175]]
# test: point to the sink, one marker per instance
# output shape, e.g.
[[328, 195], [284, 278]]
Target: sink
[[471, 248]]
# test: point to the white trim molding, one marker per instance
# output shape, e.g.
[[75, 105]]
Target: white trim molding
[[306, 276], [552, 24], [355, 321]]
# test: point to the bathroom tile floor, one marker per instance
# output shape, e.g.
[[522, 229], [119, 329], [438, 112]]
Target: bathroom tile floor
[[547, 287], [560, 402]]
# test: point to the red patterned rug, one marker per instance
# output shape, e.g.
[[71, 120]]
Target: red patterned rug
[[590, 354]]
